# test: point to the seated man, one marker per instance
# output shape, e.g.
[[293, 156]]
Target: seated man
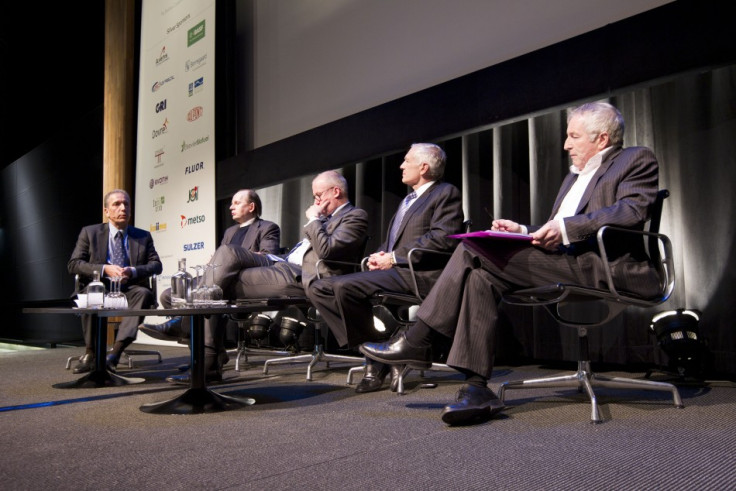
[[252, 236], [335, 230], [116, 249], [607, 185], [431, 212]]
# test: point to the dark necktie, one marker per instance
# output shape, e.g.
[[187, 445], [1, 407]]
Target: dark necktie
[[397, 220], [119, 258]]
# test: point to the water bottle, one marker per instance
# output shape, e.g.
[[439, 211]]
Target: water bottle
[[181, 286], [95, 292]]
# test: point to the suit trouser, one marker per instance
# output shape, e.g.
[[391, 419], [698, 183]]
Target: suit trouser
[[230, 261], [278, 280], [139, 297], [463, 304], [344, 303]]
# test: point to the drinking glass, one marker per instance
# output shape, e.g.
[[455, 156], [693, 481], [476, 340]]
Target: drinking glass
[[215, 292]]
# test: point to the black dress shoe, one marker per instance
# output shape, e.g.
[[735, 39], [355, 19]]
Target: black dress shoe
[[473, 404], [399, 352], [375, 374], [395, 374], [112, 362], [86, 363], [166, 331], [186, 378]]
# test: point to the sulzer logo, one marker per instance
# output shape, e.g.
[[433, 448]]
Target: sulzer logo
[[161, 106], [194, 246], [194, 113]]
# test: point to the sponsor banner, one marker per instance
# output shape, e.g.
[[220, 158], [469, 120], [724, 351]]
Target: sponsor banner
[[175, 170]]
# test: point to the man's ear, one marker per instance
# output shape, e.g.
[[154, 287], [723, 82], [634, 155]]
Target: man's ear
[[604, 141], [423, 169]]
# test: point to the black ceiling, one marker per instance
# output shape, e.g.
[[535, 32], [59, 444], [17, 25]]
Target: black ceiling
[[52, 70]]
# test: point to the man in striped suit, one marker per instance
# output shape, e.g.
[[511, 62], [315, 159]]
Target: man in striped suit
[[607, 185], [425, 218]]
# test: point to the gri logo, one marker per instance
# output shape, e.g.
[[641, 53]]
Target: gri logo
[[161, 106]]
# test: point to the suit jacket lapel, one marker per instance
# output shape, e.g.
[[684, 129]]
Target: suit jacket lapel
[[251, 234], [133, 247], [415, 208], [103, 239], [594, 181]]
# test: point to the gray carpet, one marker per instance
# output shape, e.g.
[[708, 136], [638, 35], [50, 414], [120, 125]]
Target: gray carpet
[[322, 435]]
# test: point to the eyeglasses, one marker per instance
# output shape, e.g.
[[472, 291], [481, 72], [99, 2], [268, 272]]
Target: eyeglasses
[[318, 196]]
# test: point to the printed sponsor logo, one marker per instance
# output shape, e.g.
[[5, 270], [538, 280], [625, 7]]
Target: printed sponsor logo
[[176, 26], [195, 34], [194, 246], [157, 227], [195, 113], [191, 169], [162, 57], [161, 83], [193, 194], [159, 156], [158, 181], [158, 203], [188, 146], [161, 106], [163, 129], [194, 64], [191, 220], [196, 86]]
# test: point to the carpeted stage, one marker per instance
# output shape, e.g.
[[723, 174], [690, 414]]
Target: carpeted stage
[[322, 435]]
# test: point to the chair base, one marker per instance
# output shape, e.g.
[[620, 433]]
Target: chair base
[[318, 355], [585, 379], [243, 352], [400, 385], [127, 354]]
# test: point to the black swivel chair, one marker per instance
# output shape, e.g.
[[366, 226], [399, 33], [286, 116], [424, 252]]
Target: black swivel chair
[[564, 301], [405, 306], [318, 354]]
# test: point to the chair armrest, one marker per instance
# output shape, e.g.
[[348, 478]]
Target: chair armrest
[[662, 258], [412, 261], [357, 266]]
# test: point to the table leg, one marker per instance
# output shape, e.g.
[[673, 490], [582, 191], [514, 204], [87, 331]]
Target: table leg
[[100, 376], [198, 398]]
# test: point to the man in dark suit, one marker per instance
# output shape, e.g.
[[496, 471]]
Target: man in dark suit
[[335, 231], [251, 239], [136, 261], [607, 185], [431, 212]]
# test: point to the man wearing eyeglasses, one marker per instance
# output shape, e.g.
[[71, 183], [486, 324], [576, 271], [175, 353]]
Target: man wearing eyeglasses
[[335, 230]]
